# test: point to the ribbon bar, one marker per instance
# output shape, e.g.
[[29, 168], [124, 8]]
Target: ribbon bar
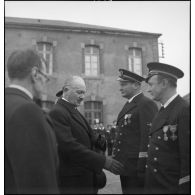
[[143, 154]]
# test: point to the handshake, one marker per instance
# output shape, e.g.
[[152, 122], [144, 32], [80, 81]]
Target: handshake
[[113, 166]]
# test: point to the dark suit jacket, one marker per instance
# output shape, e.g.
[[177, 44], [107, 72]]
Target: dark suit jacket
[[75, 139], [133, 125], [168, 164], [30, 147]]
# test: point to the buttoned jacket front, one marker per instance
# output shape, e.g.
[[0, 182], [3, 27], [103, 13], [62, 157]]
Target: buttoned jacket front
[[133, 125], [169, 150]]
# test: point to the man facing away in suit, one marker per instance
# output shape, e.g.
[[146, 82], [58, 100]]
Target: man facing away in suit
[[168, 163], [31, 157], [79, 163], [133, 125]]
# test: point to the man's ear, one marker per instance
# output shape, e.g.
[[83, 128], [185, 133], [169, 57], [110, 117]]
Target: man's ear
[[165, 82], [34, 74], [65, 89], [136, 85]]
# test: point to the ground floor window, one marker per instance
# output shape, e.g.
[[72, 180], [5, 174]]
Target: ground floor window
[[93, 111]]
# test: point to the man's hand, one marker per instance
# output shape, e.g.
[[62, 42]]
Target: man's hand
[[113, 166]]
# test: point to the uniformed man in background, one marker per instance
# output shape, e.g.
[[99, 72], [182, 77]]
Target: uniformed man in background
[[168, 164], [133, 126], [108, 140]]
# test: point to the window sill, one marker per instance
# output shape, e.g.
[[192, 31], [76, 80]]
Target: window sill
[[53, 75], [98, 77]]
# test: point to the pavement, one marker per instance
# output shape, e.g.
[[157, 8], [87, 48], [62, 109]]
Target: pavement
[[113, 185]]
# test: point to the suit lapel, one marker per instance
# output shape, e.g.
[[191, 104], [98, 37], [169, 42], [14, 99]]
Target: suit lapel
[[81, 120], [159, 120], [161, 117], [129, 106], [76, 115]]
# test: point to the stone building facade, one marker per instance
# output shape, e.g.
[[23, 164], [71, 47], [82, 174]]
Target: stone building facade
[[93, 52]]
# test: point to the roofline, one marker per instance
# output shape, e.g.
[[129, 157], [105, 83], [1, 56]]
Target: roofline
[[10, 22]]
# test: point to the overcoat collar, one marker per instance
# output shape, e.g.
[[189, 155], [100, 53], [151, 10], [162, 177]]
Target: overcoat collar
[[162, 117], [76, 115], [129, 106]]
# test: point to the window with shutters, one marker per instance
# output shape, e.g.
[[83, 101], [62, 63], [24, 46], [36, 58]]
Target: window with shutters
[[93, 110], [45, 49], [135, 60], [91, 60]]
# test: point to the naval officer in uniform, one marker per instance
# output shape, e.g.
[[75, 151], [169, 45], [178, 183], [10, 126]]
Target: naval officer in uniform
[[132, 137], [168, 165]]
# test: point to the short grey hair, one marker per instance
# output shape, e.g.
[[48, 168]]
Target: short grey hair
[[71, 79]]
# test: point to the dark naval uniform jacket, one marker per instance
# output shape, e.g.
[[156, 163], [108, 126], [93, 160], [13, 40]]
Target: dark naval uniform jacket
[[133, 125], [78, 161], [168, 163]]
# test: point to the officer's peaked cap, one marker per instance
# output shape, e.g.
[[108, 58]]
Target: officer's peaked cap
[[157, 68], [126, 76]]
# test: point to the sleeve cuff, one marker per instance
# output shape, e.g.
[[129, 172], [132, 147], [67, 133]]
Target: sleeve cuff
[[184, 179]]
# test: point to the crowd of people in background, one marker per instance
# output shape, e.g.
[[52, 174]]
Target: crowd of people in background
[[109, 133]]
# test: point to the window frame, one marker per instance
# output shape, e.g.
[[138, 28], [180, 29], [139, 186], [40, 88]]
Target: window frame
[[133, 58], [44, 53], [94, 111], [90, 55]]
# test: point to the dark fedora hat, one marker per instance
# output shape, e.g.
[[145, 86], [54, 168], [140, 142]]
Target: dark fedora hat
[[126, 76]]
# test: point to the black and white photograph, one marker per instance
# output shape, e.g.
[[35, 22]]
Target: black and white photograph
[[97, 97]]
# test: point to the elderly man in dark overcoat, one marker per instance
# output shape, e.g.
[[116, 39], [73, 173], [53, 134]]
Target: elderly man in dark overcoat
[[31, 157], [80, 166], [133, 125], [168, 163]]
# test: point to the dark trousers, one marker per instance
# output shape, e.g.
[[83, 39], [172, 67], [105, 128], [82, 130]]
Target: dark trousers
[[131, 184]]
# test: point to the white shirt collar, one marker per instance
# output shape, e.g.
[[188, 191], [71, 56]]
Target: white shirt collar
[[133, 97], [69, 102], [64, 99], [26, 91], [169, 100]]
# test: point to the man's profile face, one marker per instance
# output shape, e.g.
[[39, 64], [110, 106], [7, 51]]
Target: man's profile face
[[155, 88], [126, 89], [76, 94]]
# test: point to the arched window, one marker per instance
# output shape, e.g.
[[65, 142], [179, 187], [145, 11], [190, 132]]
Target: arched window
[[135, 60]]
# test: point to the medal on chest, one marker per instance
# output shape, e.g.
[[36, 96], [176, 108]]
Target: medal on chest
[[165, 129], [173, 129], [127, 119]]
